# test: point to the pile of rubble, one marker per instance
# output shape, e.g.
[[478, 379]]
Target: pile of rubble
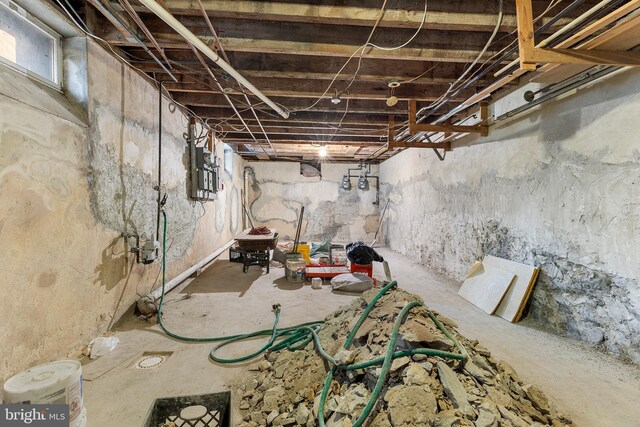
[[419, 391]]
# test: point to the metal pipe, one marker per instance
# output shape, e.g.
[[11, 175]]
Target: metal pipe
[[564, 87], [561, 36], [198, 44], [221, 89], [493, 65], [158, 187], [224, 55]]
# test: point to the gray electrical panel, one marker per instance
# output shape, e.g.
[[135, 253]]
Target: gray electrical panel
[[205, 172]]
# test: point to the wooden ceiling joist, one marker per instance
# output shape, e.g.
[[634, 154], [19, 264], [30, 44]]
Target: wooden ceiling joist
[[345, 15], [531, 55], [293, 51]]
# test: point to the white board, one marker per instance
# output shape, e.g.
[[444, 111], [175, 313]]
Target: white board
[[514, 301], [485, 286]]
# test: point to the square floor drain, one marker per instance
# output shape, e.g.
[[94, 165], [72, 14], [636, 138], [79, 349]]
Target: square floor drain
[[151, 360]]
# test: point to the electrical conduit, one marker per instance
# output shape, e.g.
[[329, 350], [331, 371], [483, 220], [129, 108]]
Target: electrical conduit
[[168, 18]]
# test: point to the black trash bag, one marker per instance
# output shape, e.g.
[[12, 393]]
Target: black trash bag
[[362, 254]]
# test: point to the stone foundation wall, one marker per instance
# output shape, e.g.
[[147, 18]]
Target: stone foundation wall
[[558, 188], [75, 173], [277, 191]]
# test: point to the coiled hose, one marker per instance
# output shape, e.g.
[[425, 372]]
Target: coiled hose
[[297, 337]]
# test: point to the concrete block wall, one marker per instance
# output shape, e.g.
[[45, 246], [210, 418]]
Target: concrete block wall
[[276, 192], [76, 174], [558, 188]]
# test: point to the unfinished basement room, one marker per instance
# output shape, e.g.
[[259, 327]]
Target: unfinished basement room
[[332, 213]]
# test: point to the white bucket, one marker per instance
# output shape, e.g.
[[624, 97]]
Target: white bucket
[[52, 383]]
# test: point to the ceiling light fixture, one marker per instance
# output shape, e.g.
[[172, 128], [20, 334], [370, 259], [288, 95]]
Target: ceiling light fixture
[[322, 152], [392, 99], [335, 99]]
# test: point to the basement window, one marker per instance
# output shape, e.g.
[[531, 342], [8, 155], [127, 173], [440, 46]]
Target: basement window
[[228, 159], [28, 45]]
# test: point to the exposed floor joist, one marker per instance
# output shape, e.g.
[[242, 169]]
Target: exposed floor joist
[[293, 51]]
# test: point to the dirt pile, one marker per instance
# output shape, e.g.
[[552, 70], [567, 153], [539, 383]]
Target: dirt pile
[[420, 390]]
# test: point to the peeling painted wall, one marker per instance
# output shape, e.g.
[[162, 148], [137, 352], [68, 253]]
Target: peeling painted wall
[[68, 189], [558, 188], [277, 191]]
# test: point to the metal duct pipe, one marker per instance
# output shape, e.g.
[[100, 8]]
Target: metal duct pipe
[[198, 44]]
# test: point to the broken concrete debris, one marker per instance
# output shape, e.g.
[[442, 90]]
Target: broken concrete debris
[[421, 390]]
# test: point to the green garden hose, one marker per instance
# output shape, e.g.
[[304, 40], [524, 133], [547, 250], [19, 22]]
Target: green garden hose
[[297, 337]]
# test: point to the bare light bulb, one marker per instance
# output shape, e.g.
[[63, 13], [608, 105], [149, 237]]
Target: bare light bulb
[[322, 152], [392, 100]]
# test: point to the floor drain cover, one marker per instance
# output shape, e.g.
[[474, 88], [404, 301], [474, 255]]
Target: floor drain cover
[[151, 360]]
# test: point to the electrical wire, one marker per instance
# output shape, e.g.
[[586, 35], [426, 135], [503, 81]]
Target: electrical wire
[[125, 61], [93, 36], [454, 86], [424, 19], [360, 50], [224, 54]]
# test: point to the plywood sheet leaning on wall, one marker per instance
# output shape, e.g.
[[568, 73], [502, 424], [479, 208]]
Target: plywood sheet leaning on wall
[[485, 286], [512, 305]]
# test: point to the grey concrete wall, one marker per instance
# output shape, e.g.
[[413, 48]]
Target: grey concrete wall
[[558, 188], [277, 191], [68, 189]]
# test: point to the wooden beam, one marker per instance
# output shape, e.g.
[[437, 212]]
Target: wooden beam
[[530, 55], [308, 77], [348, 15], [379, 122], [444, 145], [375, 140], [301, 105], [288, 88], [257, 65], [226, 115], [306, 48], [586, 57], [420, 127], [391, 131], [293, 128], [249, 141], [526, 32], [621, 37]]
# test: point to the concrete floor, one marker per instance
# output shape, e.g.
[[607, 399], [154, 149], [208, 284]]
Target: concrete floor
[[591, 388]]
